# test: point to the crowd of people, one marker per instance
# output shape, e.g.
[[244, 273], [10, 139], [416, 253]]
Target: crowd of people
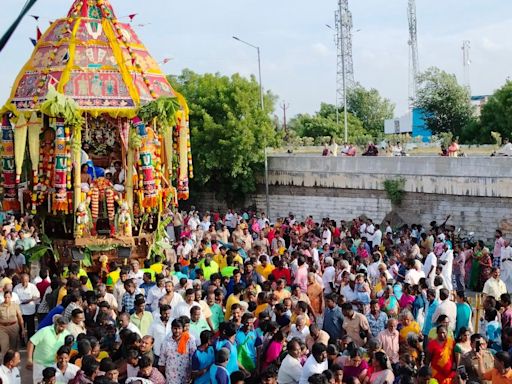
[[239, 299]]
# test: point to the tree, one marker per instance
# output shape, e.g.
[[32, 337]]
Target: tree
[[371, 108], [496, 114], [229, 131], [323, 124], [445, 102]]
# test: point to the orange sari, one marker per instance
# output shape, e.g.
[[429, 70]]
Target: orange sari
[[442, 360]]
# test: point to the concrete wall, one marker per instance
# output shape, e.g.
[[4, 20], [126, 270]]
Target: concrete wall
[[476, 192], [477, 176]]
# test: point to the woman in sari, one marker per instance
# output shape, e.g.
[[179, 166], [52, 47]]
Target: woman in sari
[[381, 369], [388, 302], [440, 355], [475, 267], [409, 326], [486, 266], [407, 298], [11, 321]]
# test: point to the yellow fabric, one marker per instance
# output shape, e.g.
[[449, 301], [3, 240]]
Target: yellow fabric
[[413, 327], [69, 65], [34, 126], [118, 54], [20, 142], [62, 292], [157, 267]]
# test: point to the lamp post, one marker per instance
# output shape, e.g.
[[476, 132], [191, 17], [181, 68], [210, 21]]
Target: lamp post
[[259, 65]]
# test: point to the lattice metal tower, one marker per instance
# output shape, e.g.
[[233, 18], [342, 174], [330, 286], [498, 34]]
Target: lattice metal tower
[[343, 20], [414, 65], [345, 64]]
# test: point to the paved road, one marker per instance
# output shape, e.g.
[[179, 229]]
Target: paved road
[[26, 375]]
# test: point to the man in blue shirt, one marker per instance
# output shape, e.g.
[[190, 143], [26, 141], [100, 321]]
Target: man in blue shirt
[[218, 372], [432, 306], [333, 318], [376, 318]]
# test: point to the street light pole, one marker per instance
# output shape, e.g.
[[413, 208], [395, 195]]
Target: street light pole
[[259, 66]]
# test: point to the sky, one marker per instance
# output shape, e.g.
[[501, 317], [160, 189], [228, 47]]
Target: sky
[[298, 55]]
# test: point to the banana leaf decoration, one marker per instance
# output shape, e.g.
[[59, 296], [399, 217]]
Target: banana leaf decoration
[[164, 110], [20, 142], [59, 105]]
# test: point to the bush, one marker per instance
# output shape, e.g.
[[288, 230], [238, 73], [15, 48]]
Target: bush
[[395, 190]]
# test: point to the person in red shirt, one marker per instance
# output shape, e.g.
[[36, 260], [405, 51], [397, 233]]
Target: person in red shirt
[[43, 285], [280, 272]]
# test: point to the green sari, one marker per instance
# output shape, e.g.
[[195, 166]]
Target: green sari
[[476, 269]]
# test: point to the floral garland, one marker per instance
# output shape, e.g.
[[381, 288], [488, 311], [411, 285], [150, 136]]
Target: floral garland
[[10, 201]]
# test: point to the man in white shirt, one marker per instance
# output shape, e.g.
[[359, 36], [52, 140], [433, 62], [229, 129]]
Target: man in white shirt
[[299, 330], [316, 363], [446, 307], [183, 308], [160, 329], [9, 372], [373, 268], [228, 220], [124, 322], [329, 275], [494, 286], [326, 236], [446, 260], [414, 274], [506, 149], [291, 369], [136, 274], [155, 293], [362, 229], [506, 265], [103, 295], [29, 295], [377, 236], [429, 268], [65, 371], [370, 232]]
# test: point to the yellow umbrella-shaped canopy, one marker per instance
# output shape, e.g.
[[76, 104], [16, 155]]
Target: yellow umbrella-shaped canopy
[[93, 58]]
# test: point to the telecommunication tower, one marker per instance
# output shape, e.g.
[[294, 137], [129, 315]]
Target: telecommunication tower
[[345, 64], [414, 65]]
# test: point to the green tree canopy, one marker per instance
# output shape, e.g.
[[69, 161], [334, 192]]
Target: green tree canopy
[[229, 131], [445, 102], [323, 123], [371, 108], [496, 114]]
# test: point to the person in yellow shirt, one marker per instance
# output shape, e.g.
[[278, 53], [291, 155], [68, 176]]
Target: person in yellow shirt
[[238, 291], [264, 268], [114, 274], [220, 258], [157, 266], [262, 304], [281, 292], [301, 309]]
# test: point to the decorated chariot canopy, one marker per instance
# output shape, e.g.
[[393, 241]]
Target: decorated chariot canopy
[[105, 133]]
